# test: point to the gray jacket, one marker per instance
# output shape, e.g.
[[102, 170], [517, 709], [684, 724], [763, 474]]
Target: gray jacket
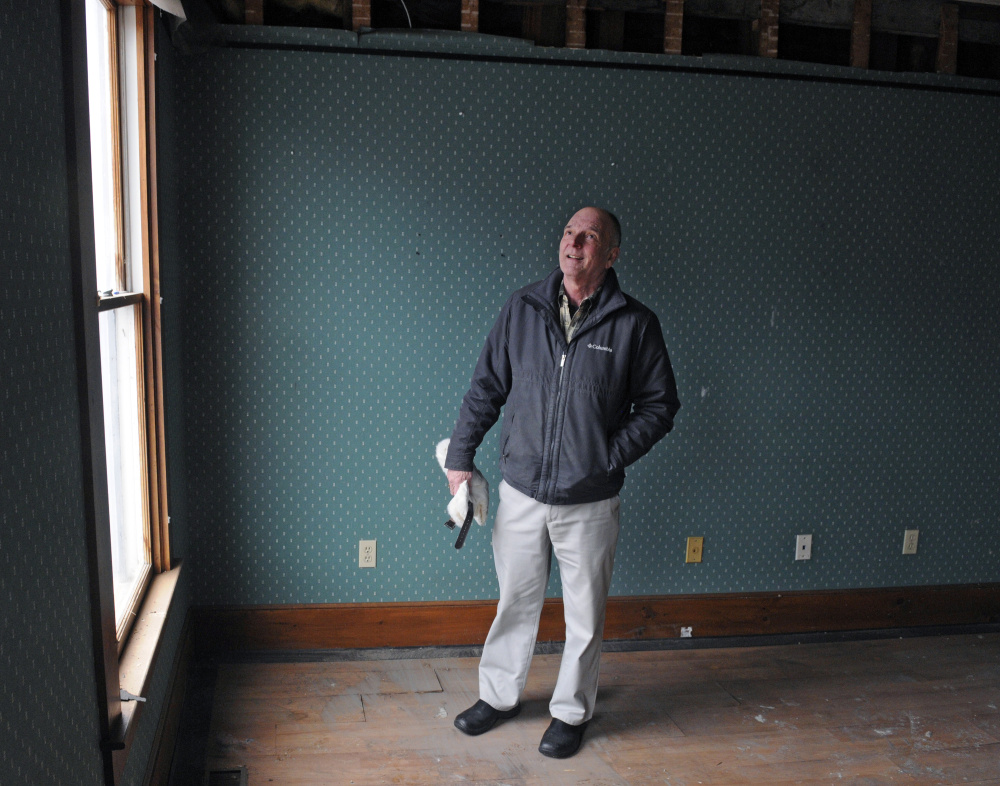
[[574, 415]]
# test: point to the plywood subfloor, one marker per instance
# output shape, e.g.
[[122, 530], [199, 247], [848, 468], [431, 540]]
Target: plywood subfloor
[[915, 710]]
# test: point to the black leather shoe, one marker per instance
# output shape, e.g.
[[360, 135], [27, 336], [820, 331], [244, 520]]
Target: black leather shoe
[[481, 717], [561, 740]]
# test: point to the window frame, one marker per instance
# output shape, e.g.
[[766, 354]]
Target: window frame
[[123, 658]]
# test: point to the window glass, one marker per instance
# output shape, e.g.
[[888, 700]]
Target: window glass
[[125, 455], [102, 142]]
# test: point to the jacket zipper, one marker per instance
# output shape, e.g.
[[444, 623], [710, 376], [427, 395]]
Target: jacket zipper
[[553, 446], [549, 482]]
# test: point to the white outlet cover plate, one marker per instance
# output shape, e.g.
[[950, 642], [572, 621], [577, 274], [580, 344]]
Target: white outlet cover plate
[[367, 553], [803, 547]]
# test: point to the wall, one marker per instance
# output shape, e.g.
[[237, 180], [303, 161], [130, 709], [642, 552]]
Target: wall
[[48, 700], [821, 255]]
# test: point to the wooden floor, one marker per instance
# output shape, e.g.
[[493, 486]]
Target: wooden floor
[[914, 710]]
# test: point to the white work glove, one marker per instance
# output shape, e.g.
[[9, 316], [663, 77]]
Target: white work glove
[[478, 489]]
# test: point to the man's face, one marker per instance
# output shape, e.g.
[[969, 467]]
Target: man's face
[[586, 250]]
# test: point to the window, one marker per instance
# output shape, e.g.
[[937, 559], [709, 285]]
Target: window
[[112, 144], [120, 263]]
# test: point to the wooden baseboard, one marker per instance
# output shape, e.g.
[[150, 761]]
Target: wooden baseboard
[[364, 625], [158, 769]]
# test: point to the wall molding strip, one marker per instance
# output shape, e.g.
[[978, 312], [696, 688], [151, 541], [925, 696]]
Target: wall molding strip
[[456, 623]]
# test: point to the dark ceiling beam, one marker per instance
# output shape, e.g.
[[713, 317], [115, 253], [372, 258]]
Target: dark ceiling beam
[[978, 21]]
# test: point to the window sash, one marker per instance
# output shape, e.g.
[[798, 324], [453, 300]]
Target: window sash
[[125, 441]]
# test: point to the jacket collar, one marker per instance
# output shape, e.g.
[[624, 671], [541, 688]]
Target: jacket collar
[[544, 297], [545, 294]]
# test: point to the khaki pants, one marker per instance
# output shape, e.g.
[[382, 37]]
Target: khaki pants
[[525, 534]]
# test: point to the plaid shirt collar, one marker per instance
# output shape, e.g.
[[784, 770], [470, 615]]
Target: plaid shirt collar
[[571, 319]]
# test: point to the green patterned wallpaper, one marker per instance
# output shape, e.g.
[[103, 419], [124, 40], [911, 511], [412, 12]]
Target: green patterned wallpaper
[[821, 254], [48, 699]]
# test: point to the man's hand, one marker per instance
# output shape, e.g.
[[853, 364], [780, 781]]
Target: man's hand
[[456, 478]]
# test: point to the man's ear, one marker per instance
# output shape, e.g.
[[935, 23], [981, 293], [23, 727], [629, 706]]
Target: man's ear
[[612, 257]]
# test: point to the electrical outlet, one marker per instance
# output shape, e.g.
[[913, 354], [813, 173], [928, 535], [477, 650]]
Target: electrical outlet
[[366, 554], [803, 546], [910, 541], [694, 546]]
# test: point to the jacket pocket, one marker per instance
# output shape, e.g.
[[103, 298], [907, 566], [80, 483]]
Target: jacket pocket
[[505, 443]]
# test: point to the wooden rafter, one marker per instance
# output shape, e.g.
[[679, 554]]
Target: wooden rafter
[[947, 53], [861, 33]]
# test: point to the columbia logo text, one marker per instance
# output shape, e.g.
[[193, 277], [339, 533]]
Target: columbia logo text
[[598, 346]]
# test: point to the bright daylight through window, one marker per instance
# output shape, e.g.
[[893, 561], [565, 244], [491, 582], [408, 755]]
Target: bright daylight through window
[[115, 154]]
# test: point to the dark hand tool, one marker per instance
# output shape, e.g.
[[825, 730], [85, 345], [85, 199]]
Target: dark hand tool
[[462, 533]]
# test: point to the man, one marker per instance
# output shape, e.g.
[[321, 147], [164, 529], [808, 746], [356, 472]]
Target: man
[[587, 388]]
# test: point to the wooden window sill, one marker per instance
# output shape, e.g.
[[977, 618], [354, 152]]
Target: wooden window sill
[[135, 667]]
